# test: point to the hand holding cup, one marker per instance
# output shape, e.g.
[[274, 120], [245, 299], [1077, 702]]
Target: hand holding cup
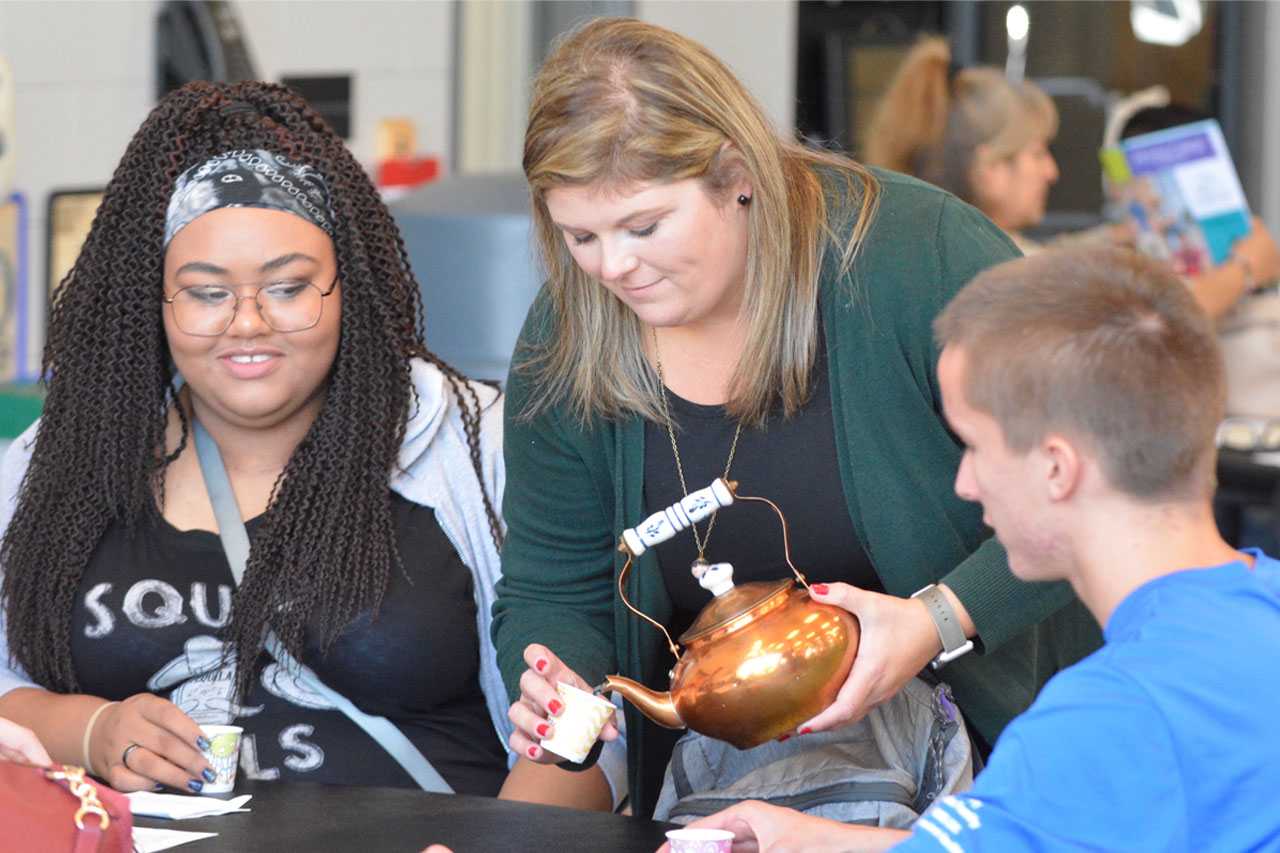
[[575, 730], [146, 740], [540, 706], [224, 754]]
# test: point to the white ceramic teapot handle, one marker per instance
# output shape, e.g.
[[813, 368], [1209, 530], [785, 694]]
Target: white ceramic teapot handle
[[661, 526]]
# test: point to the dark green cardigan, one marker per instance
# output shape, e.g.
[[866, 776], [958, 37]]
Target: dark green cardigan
[[570, 492]]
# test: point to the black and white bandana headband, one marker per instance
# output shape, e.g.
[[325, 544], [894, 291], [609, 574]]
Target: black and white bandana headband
[[244, 178]]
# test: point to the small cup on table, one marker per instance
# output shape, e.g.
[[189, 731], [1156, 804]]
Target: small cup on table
[[224, 754]]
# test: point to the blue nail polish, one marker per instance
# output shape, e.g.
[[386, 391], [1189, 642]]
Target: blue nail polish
[[209, 775], [202, 742], [159, 786], [195, 785]]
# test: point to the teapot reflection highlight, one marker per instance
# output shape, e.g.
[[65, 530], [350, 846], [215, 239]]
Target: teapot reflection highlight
[[761, 657]]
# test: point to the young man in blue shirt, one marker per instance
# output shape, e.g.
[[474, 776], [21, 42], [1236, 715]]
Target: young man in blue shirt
[[1087, 388]]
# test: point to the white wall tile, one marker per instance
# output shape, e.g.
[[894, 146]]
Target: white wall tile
[[425, 100], [755, 38], [78, 41], [387, 35]]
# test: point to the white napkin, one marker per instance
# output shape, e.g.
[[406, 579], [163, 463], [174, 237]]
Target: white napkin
[[178, 806], [147, 840]]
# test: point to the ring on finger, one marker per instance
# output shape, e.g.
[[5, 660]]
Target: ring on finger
[[128, 750]]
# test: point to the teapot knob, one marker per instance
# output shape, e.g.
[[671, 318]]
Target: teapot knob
[[717, 577]]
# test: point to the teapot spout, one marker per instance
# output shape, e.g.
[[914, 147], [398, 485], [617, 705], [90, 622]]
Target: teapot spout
[[654, 705]]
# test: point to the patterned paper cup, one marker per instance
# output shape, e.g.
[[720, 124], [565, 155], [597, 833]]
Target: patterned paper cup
[[700, 840], [576, 729], [224, 754]]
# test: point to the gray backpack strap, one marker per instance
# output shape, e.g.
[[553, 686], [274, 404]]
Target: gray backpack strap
[[235, 542]]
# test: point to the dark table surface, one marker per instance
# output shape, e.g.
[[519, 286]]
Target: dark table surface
[[319, 818]]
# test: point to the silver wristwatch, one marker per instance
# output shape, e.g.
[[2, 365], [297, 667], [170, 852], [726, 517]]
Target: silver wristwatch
[[954, 643]]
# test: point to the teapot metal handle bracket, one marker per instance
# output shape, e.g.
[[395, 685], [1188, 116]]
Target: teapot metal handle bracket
[[622, 591], [786, 539], [663, 525]]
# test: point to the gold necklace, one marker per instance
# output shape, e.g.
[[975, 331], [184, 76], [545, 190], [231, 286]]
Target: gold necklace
[[700, 563]]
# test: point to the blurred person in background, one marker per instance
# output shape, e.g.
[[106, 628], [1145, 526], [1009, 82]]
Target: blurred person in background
[[1254, 262], [971, 132]]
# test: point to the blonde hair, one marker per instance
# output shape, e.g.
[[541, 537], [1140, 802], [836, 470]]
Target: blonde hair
[[619, 102], [1106, 346], [930, 123]]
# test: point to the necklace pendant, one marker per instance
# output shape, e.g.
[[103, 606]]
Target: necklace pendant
[[698, 567]]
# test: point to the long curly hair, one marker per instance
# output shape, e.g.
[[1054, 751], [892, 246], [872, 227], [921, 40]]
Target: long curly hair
[[326, 545]]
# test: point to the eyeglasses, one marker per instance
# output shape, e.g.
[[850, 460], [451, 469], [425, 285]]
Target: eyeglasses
[[289, 305]]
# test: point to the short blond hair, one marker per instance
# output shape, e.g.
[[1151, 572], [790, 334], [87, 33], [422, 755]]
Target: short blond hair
[[620, 101], [1105, 346]]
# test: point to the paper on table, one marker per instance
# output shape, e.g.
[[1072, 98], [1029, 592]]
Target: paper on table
[[178, 806], [148, 840]]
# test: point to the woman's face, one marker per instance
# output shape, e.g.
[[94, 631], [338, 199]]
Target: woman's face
[[669, 251], [1013, 191], [252, 375]]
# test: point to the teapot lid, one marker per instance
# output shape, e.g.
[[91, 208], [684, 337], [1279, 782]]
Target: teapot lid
[[731, 604]]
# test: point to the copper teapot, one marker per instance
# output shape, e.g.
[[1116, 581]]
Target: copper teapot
[[760, 659]]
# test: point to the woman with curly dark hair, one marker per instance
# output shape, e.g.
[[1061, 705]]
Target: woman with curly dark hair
[[244, 285]]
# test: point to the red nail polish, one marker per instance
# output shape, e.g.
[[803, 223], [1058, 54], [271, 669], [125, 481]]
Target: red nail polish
[[819, 588], [541, 665], [533, 752], [543, 730], [782, 738], [554, 706], [805, 730]]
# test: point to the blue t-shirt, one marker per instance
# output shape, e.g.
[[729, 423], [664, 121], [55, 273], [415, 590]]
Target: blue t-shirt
[[1164, 739]]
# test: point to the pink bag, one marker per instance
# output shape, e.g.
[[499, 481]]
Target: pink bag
[[57, 808]]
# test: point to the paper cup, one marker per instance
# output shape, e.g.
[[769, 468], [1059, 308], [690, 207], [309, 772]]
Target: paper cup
[[224, 754], [700, 840], [574, 732]]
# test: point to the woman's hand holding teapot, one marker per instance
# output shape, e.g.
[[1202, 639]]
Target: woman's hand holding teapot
[[538, 698], [898, 640]]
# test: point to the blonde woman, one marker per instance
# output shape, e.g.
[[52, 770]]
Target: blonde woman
[[986, 140], [971, 132], [722, 301]]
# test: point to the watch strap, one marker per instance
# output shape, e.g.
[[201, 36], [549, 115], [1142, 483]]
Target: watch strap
[[947, 624]]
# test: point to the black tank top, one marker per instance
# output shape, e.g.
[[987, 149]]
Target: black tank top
[[790, 462]]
